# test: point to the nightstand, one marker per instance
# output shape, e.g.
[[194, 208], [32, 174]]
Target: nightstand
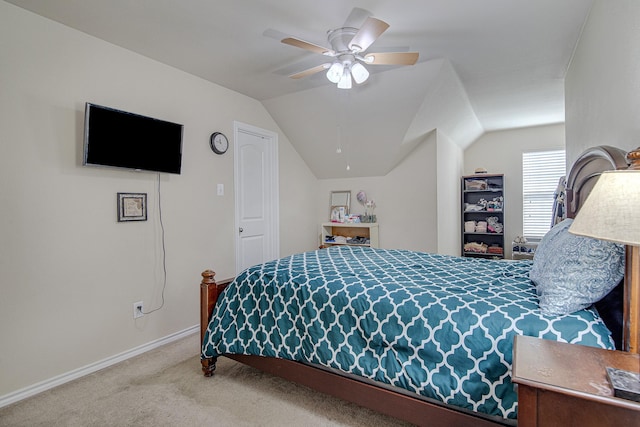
[[566, 385]]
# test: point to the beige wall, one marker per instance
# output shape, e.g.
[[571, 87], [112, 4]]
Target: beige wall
[[69, 272], [449, 163], [602, 86], [501, 152], [405, 198], [298, 207], [427, 186]]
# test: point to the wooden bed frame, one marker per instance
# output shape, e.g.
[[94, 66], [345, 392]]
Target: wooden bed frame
[[398, 404]]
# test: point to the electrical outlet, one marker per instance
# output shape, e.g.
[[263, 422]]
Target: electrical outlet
[[138, 309]]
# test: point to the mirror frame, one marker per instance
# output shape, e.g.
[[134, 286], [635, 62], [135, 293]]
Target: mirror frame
[[338, 199]]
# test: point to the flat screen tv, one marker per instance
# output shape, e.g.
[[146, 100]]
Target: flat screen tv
[[126, 140]]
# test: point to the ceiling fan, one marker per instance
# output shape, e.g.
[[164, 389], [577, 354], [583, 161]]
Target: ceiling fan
[[348, 50]]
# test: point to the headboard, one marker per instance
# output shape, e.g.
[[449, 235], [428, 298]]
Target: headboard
[[580, 181], [585, 171]]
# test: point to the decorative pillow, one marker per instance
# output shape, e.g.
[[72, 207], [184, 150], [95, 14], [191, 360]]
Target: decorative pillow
[[573, 272]]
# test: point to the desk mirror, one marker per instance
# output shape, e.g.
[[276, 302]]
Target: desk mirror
[[340, 204]]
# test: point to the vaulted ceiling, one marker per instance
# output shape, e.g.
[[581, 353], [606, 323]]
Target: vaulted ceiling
[[484, 65]]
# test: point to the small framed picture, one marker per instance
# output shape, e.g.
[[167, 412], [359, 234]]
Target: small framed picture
[[132, 207]]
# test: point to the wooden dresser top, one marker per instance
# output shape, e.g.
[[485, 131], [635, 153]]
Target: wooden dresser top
[[571, 369]]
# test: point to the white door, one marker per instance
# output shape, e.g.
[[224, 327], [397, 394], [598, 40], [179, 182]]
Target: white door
[[256, 195]]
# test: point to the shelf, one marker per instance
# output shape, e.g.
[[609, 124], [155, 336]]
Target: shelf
[[484, 254], [367, 230], [347, 244], [482, 197], [488, 190], [351, 224], [528, 254]]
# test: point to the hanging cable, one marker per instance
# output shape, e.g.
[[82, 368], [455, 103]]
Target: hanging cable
[[164, 252]]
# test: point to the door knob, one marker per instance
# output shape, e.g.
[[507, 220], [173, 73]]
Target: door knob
[[241, 229]]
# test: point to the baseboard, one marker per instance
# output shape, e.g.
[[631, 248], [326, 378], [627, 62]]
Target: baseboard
[[34, 389]]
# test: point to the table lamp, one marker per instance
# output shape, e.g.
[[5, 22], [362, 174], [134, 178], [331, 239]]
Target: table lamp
[[612, 212]]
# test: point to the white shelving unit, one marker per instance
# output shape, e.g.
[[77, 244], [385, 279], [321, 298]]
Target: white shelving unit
[[523, 250], [363, 229]]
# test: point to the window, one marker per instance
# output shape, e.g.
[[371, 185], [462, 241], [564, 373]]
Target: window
[[541, 172]]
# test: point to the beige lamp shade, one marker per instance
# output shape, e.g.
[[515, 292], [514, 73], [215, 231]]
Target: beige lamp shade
[[612, 209]]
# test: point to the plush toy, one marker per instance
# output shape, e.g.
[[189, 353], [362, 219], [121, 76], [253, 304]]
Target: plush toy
[[495, 204], [494, 225], [520, 239]]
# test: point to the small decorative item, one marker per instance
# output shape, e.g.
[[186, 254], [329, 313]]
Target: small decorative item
[[495, 205], [481, 206], [338, 214], [132, 207], [362, 197], [475, 184], [369, 207], [351, 218], [494, 225], [626, 384]]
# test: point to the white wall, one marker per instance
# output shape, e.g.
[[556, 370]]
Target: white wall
[[602, 86], [69, 271], [501, 152]]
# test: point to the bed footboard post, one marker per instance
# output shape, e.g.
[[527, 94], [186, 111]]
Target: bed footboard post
[[208, 366], [209, 292]]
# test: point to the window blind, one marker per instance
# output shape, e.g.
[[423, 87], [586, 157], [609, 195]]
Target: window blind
[[541, 172]]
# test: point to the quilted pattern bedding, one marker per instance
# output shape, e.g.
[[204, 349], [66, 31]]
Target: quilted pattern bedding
[[436, 325]]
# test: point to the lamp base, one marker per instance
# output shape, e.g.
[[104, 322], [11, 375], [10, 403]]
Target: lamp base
[[626, 384]]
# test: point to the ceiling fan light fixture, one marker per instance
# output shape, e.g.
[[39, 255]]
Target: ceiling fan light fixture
[[345, 80], [335, 72], [359, 73]]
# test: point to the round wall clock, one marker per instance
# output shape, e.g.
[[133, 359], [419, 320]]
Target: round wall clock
[[219, 143]]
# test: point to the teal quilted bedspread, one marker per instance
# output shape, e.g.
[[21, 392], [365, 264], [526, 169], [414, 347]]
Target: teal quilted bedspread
[[436, 325]]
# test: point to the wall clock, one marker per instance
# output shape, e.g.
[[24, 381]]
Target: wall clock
[[219, 143]]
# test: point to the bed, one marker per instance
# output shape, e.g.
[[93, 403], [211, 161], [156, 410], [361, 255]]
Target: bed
[[413, 335]]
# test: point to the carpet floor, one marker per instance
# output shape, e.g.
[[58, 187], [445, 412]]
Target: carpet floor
[[165, 387]]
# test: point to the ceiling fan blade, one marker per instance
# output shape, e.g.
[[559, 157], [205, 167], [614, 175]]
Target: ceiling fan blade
[[391, 58], [292, 41], [310, 71], [367, 34], [356, 17]]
